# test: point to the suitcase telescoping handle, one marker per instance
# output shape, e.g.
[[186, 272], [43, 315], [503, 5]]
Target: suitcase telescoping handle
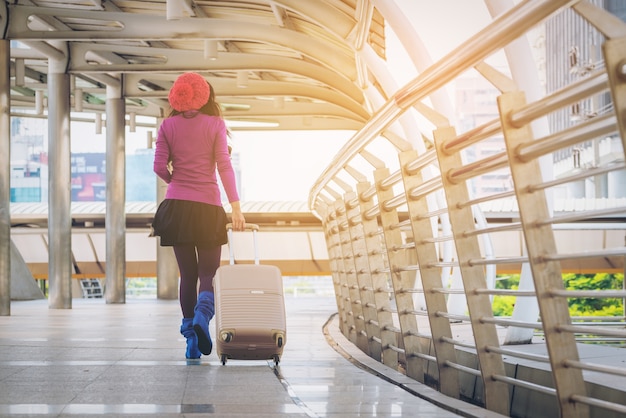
[[231, 251]]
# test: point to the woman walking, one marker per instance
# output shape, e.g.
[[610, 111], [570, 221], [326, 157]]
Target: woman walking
[[191, 147]]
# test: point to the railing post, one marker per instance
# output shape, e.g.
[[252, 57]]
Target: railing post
[[340, 259], [479, 305], [427, 256], [362, 275], [379, 281], [539, 239], [402, 281], [331, 245], [351, 274]]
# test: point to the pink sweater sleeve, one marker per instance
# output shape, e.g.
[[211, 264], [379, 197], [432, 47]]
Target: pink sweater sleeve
[[162, 156], [225, 166]]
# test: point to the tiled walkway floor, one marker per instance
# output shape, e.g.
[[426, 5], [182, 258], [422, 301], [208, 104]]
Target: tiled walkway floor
[[128, 360]]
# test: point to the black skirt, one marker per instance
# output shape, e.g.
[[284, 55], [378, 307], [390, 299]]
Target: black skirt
[[184, 222]]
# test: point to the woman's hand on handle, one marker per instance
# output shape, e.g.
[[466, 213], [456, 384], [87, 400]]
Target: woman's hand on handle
[[237, 218]]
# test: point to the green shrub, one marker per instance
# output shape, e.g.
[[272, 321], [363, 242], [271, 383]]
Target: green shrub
[[503, 305]]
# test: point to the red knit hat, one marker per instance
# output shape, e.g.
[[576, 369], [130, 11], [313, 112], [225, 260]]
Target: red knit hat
[[189, 92]]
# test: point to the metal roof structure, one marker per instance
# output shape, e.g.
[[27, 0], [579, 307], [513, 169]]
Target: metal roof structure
[[273, 64]]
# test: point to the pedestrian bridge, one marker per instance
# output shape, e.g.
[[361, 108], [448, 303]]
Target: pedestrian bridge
[[526, 114], [292, 238]]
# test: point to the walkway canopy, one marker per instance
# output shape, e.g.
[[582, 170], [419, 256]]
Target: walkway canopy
[[275, 65]]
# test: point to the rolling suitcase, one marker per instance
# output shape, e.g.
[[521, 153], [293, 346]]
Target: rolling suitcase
[[249, 308]]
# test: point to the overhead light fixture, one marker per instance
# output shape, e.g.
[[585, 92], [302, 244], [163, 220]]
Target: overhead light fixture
[[39, 102], [98, 123], [20, 71], [210, 49], [78, 100], [242, 79], [132, 122], [234, 123]]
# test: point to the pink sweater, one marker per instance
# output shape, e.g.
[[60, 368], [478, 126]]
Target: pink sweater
[[196, 146]]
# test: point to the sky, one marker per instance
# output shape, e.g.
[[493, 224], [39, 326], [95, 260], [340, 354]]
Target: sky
[[272, 175], [279, 166], [284, 165], [444, 25]]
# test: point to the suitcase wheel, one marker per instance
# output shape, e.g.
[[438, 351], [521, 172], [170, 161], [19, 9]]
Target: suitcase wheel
[[276, 359], [226, 336], [224, 358], [279, 339]]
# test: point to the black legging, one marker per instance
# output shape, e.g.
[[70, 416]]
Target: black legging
[[194, 263]]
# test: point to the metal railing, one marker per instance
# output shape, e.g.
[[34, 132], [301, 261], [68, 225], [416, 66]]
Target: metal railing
[[410, 251]]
